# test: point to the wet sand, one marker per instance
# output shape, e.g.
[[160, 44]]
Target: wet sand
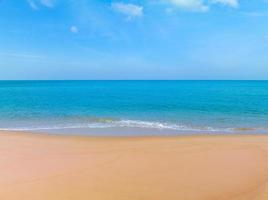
[[49, 167]]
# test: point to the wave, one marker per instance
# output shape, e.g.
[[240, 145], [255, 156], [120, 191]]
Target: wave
[[137, 124]]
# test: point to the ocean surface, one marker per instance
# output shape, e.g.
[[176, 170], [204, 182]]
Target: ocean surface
[[134, 107]]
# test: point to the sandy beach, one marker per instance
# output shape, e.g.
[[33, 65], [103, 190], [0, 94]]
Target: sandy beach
[[50, 167]]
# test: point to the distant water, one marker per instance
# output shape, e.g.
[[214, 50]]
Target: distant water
[[134, 107]]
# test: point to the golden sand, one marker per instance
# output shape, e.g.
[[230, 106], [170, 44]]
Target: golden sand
[[34, 167]]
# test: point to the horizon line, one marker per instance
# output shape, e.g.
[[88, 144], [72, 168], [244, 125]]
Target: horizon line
[[133, 79]]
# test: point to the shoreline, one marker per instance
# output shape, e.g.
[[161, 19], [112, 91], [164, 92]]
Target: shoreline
[[72, 134], [46, 166]]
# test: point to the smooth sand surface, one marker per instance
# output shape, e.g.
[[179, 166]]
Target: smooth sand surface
[[34, 167]]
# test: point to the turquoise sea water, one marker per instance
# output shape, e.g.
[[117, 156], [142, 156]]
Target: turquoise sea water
[[134, 107]]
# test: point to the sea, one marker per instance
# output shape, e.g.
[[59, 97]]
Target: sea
[[134, 108]]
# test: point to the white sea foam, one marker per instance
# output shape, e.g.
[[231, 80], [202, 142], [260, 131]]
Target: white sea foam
[[102, 124]]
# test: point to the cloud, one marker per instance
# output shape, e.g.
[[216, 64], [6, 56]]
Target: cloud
[[74, 29], [22, 55], [200, 5], [35, 4], [130, 10], [231, 3], [195, 5]]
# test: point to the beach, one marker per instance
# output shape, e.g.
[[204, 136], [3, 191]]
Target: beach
[[133, 100], [40, 166]]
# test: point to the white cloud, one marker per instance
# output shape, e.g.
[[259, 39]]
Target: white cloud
[[231, 3], [74, 29], [21, 55], [35, 4], [195, 5], [130, 10], [200, 5]]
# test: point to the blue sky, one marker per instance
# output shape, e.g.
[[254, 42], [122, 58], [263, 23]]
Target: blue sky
[[134, 39]]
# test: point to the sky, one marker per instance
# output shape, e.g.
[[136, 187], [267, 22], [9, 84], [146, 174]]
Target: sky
[[133, 39]]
